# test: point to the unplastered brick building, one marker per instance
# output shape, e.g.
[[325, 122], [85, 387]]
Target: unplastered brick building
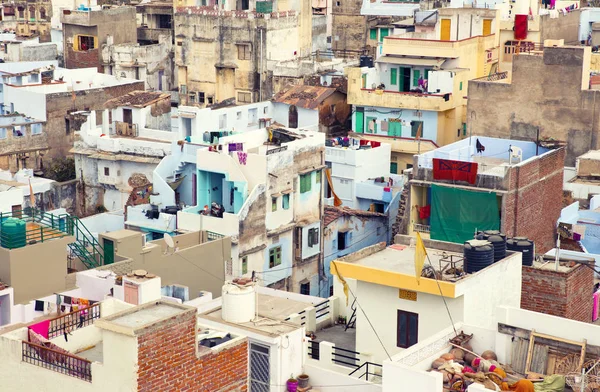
[[564, 291], [483, 183], [157, 346]]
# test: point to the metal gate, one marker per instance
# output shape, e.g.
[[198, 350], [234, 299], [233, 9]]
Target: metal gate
[[259, 368]]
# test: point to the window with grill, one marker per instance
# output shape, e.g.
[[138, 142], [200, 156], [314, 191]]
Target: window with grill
[[275, 257], [305, 288], [244, 52], [86, 42]]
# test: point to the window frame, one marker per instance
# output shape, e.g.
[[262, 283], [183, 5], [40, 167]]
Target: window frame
[[273, 203], [406, 342], [244, 265], [414, 128], [245, 53], [106, 171], [275, 256], [312, 237], [247, 97], [305, 182], [305, 288], [285, 201], [77, 42]]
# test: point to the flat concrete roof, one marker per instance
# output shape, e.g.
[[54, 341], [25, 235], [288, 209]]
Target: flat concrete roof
[[119, 234], [130, 321], [279, 308], [146, 316], [264, 325], [401, 259]]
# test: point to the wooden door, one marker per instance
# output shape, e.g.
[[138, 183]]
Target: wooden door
[[445, 30], [293, 117], [131, 293], [487, 26]]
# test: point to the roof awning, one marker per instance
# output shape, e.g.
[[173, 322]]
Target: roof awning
[[425, 62]]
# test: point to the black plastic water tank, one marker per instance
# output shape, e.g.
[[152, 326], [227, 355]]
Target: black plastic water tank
[[499, 244], [370, 63], [478, 255], [364, 61], [523, 245]]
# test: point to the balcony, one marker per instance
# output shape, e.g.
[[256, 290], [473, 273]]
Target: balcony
[[148, 34], [191, 219], [521, 48], [371, 190]]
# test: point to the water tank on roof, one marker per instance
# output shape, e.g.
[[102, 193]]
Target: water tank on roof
[[239, 301], [13, 233], [523, 245], [478, 255]]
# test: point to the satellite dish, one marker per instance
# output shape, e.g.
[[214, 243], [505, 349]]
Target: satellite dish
[[169, 241]]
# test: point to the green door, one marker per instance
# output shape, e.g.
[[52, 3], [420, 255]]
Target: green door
[[359, 121], [393, 168], [393, 76], [383, 32], [109, 252]]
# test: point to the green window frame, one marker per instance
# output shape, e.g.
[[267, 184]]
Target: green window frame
[[273, 204], [460, 86], [244, 265], [426, 74], [394, 76], [305, 182], [464, 129], [274, 256], [383, 32], [416, 76], [369, 120], [373, 34], [285, 201]]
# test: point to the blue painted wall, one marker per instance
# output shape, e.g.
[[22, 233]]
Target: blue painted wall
[[429, 118]]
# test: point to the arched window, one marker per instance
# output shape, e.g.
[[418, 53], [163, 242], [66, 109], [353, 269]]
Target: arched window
[[31, 12], [21, 12], [42, 13]]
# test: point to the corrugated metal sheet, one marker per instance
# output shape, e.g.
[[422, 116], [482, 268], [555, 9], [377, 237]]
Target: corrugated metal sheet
[[308, 97]]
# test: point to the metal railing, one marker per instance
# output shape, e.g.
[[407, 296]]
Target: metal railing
[[42, 227], [211, 236], [322, 310], [363, 370], [57, 361], [420, 228], [493, 77], [345, 357], [71, 321], [314, 349]]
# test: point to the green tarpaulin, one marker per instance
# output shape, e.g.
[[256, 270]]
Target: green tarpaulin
[[457, 213]]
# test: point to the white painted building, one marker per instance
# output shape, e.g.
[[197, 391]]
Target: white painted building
[[356, 171], [119, 152], [385, 284]]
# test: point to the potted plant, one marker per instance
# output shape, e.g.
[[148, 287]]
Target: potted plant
[[292, 384], [303, 380]]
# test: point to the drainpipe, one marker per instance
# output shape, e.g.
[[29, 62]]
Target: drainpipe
[[516, 203], [261, 67]]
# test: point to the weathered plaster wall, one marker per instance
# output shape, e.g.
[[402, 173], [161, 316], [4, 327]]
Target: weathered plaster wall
[[548, 93]]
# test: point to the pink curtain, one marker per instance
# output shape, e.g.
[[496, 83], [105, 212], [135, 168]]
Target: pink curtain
[[41, 328]]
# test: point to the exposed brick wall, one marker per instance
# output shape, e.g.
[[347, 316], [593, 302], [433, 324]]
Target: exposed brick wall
[[563, 294], [82, 59], [580, 284], [533, 203], [168, 362]]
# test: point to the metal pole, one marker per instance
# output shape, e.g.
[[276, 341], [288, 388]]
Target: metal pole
[[261, 67]]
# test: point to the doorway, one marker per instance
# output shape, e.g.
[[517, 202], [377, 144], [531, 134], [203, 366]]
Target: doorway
[[109, 251], [360, 120], [127, 116], [293, 117]]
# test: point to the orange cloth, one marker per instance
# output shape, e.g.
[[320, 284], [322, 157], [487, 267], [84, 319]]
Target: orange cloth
[[500, 372], [522, 386]]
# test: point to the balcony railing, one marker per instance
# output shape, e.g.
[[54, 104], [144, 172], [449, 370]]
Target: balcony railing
[[57, 361], [493, 77], [71, 321], [420, 228], [522, 47]]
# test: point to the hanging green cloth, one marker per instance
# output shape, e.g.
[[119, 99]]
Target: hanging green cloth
[[456, 213]]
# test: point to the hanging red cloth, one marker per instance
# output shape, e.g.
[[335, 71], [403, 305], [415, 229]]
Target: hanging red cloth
[[520, 26], [424, 212], [375, 144], [446, 169]]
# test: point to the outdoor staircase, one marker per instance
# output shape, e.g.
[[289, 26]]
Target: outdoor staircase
[[177, 173], [42, 226], [352, 321]]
